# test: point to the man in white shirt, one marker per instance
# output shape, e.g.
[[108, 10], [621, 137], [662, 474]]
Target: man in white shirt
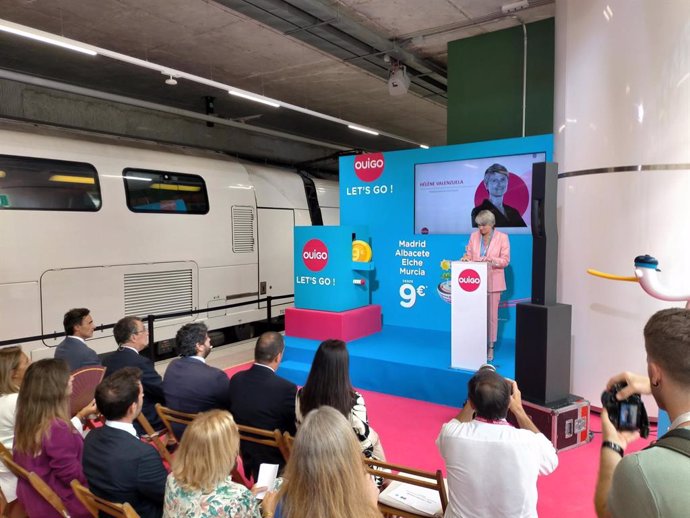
[[492, 467]]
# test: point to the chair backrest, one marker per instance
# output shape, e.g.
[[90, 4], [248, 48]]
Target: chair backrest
[[84, 383], [288, 441], [169, 416], [154, 438], [266, 437], [406, 475], [97, 504], [36, 482]]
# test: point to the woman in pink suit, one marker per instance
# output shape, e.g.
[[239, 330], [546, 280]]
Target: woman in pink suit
[[492, 246]]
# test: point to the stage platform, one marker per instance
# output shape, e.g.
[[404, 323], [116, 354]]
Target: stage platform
[[401, 361]]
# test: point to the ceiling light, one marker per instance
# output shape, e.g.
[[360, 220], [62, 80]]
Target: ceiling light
[[43, 37], [175, 187], [365, 130], [262, 100]]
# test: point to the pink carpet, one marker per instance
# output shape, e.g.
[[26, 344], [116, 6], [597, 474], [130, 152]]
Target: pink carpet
[[408, 431]]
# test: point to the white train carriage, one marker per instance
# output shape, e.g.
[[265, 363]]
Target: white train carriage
[[130, 229]]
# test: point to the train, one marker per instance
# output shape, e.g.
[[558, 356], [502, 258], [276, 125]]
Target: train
[[126, 227]]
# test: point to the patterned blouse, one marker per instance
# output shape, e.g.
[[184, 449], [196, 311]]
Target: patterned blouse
[[229, 499]]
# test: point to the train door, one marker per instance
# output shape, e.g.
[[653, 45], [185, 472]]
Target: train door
[[276, 261]]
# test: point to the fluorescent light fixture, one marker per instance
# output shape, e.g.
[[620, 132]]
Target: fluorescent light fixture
[[44, 38], [140, 178], [175, 187], [423, 146], [365, 130], [262, 100], [65, 178], [78, 46]]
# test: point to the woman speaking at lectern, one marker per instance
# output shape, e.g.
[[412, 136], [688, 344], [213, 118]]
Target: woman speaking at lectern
[[492, 246]]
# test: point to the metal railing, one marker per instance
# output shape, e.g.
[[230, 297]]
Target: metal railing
[[151, 320]]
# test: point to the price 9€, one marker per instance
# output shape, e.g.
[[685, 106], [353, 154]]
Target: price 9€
[[409, 294]]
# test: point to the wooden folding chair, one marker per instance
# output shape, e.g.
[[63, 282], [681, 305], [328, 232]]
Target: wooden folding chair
[[96, 504], [402, 477], [266, 437], [288, 441], [36, 482], [153, 437], [169, 416]]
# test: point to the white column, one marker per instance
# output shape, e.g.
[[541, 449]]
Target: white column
[[622, 101]]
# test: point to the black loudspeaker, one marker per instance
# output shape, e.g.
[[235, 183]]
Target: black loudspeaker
[[542, 352], [544, 233]]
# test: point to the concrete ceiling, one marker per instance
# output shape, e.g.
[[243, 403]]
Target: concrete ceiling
[[324, 55]]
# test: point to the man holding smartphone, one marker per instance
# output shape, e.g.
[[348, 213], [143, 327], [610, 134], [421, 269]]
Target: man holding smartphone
[[650, 483]]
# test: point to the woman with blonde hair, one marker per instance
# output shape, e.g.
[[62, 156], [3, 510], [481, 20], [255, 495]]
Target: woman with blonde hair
[[13, 364], [200, 483], [325, 476], [46, 441]]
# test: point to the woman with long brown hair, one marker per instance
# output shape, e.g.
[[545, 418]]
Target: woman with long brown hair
[[46, 441], [200, 483], [329, 384], [13, 365], [325, 475]]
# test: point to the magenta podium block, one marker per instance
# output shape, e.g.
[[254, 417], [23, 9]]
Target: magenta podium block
[[342, 325]]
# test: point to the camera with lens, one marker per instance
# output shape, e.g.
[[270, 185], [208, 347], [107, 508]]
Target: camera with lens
[[628, 414]]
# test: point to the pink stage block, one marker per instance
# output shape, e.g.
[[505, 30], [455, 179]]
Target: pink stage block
[[342, 325]]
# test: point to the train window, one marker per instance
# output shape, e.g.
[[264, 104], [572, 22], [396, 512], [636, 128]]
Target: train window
[[28, 183], [164, 192]]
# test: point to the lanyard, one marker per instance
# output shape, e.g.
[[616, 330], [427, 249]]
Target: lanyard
[[483, 250], [492, 421]]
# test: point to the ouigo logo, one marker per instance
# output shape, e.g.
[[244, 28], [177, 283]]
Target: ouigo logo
[[469, 280], [369, 167], [315, 255]]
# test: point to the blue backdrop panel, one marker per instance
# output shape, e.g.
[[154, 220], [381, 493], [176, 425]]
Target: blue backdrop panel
[[378, 191], [324, 270]]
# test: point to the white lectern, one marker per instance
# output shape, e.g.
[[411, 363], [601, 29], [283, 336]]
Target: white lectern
[[469, 314]]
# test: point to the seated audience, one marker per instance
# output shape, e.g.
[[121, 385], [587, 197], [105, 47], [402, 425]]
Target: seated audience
[[46, 441], [329, 384], [79, 327], [262, 399], [325, 476], [200, 483], [132, 336], [118, 466], [13, 365], [649, 483], [189, 384], [493, 467]]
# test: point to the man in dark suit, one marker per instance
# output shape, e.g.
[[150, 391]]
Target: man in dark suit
[[118, 466], [132, 336], [189, 384], [262, 399], [78, 326]]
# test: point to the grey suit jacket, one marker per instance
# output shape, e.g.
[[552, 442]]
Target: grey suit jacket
[[76, 353]]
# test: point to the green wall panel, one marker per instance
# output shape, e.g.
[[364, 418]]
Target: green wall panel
[[485, 84]]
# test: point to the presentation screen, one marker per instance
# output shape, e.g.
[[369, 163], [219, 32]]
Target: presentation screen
[[449, 195]]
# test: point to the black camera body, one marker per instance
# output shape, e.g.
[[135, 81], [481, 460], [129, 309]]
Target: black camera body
[[628, 414]]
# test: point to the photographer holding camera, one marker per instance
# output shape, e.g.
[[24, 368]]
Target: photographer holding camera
[[648, 483], [493, 467]]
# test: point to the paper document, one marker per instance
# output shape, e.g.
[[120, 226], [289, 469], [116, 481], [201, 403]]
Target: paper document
[[267, 475], [425, 500]]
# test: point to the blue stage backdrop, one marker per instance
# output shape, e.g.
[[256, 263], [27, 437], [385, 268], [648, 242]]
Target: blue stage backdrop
[[417, 205]]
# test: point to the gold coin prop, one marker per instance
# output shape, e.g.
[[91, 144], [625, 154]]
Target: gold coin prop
[[361, 251]]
